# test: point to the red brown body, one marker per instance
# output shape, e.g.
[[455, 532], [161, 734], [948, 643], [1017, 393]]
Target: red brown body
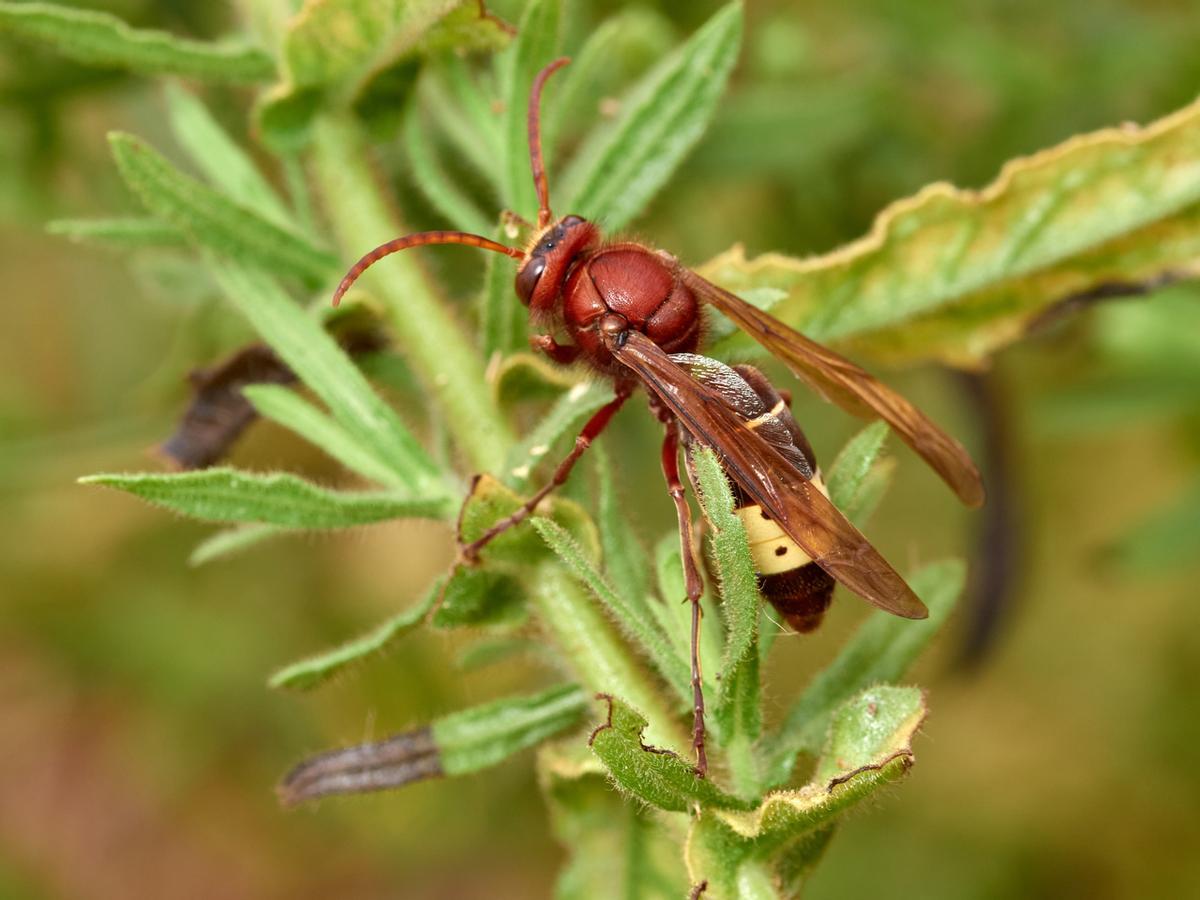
[[629, 281]]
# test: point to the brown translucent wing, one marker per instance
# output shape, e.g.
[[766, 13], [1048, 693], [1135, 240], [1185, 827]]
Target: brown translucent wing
[[802, 511], [849, 386]]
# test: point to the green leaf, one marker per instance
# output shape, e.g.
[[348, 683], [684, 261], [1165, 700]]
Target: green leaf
[[283, 405], [321, 364], [1168, 538], [631, 620], [123, 233], [477, 597], [620, 48], [953, 275], [431, 179], [657, 777], [546, 438], [614, 848], [100, 39], [224, 163], [871, 492], [619, 168], [503, 321], [466, 114], [871, 725], [625, 562], [308, 673], [521, 546], [869, 747], [535, 46], [674, 614], [739, 705], [882, 650], [480, 737], [849, 471], [461, 742], [228, 495], [491, 651], [525, 377], [426, 330], [212, 220], [735, 567], [231, 541], [346, 53]]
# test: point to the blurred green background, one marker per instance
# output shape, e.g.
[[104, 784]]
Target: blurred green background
[[138, 743]]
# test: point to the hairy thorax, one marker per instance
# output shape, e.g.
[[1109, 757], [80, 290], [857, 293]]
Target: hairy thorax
[[630, 281]]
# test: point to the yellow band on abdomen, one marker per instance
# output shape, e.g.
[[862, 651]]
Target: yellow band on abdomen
[[772, 550]]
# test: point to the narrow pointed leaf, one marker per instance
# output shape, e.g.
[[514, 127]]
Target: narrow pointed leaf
[[229, 495], [316, 358], [625, 563], [287, 408], [461, 742], [620, 168], [231, 541], [124, 233], [308, 673], [477, 738], [488, 652], [674, 614], [658, 777], [467, 115], [212, 220], [535, 46], [861, 507], [503, 321], [735, 567], [631, 620], [1169, 537], [101, 39], [623, 46], [881, 650], [431, 179], [225, 164], [853, 463]]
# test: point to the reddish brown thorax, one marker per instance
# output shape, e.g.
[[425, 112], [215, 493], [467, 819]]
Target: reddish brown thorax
[[568, 279]]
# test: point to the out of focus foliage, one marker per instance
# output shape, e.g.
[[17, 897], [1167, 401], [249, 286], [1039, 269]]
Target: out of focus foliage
[[139, 742]]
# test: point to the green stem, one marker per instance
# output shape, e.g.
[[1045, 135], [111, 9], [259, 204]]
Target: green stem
[[444, 359], [591, 646]]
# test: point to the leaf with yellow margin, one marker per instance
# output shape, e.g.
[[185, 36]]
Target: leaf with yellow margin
[[868, 747], [953, 275]]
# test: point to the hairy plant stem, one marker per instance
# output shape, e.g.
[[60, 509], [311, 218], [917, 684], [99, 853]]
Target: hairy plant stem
[[600, 658], [444, 359]]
